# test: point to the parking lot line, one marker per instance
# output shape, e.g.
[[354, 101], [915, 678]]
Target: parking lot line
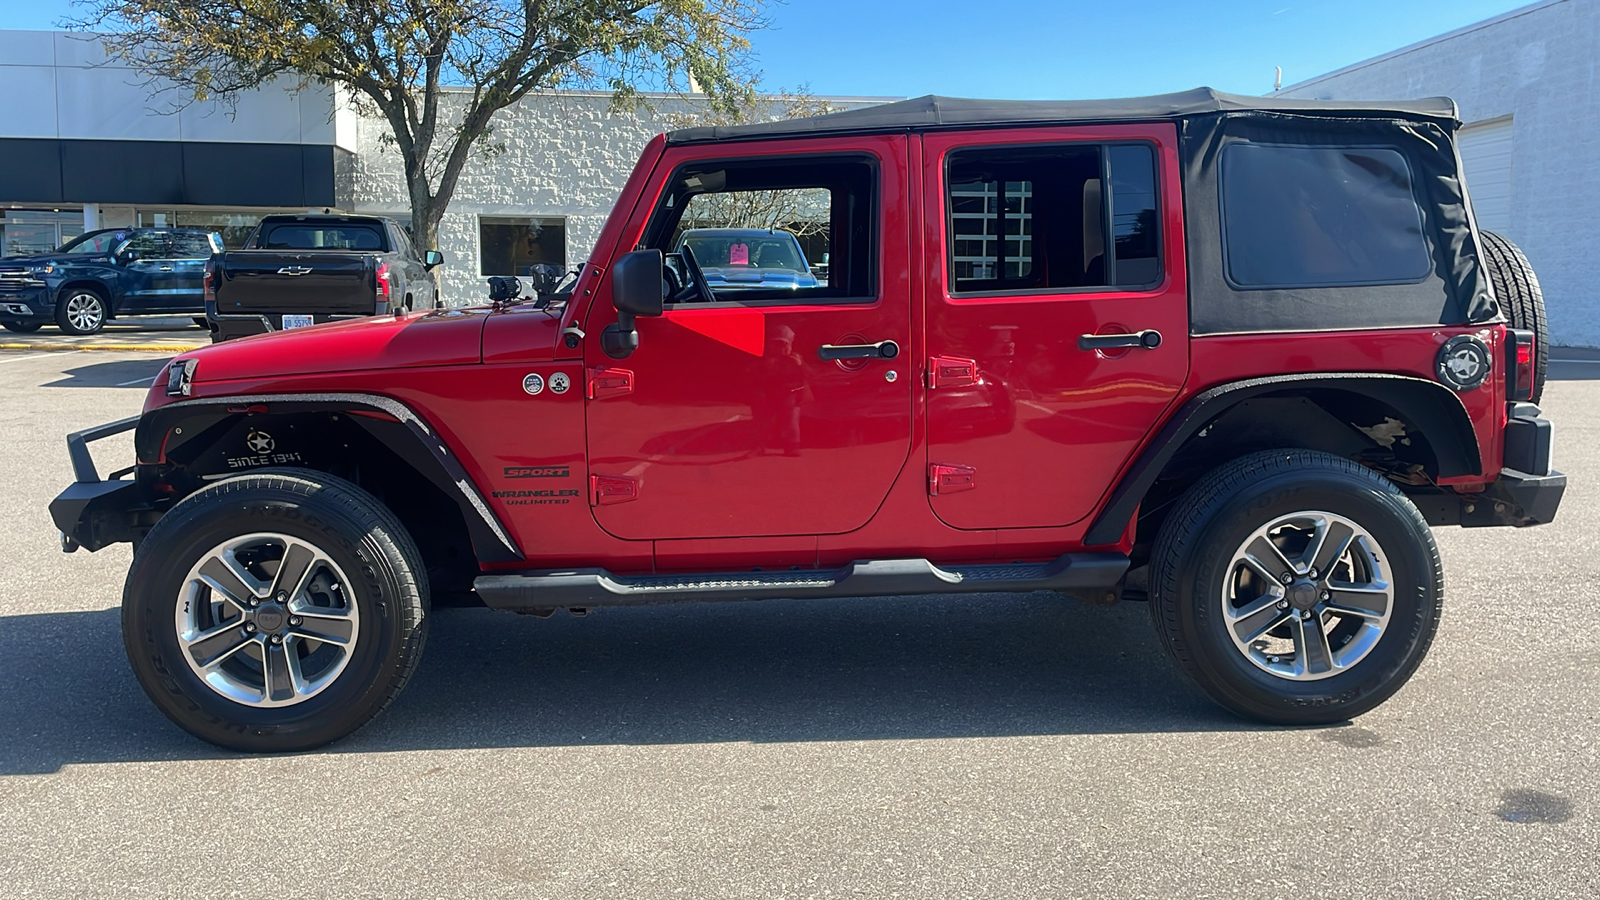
[[21, 358]]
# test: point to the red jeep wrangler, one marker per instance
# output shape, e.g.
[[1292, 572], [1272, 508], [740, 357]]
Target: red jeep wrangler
[[1229, 355]]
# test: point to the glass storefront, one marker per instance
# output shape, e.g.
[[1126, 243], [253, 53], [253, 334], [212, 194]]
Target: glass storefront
[[233, 225], [29, 231]]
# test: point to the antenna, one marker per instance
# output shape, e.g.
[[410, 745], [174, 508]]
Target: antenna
[[1277, 81]]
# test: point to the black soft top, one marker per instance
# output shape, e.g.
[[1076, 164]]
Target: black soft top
[[931, 112]]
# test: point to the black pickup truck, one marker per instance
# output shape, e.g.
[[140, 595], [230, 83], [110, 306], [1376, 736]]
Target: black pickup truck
[[297, 270]]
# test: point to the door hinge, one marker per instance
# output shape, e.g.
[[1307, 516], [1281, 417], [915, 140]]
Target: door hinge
[[604, 490], [952, 371], [608, 382], [951, 479]]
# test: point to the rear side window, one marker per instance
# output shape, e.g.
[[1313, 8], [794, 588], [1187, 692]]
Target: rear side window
[[1077, 216], [191, 246], [1296, 217], [330, 236]]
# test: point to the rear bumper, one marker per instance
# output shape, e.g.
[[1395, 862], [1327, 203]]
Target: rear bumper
[[227, 326], [94, 513], [25, 304], [1528, 491]]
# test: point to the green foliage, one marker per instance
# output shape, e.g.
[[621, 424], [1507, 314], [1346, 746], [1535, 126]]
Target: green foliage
[[438, 70]]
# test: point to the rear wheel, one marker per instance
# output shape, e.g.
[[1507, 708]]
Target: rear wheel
[[23, 327], [81, 311], [1296, 587], [274, 612], [1522, 301]]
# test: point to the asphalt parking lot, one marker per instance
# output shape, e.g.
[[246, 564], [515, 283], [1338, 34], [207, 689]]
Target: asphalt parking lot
[[983, 746]]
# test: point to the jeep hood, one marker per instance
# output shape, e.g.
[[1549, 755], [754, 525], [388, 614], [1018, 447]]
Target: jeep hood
[[449, 337]]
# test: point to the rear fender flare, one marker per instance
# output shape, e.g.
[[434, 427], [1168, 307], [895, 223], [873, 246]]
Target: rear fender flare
[[391, 422], [1430, 407]]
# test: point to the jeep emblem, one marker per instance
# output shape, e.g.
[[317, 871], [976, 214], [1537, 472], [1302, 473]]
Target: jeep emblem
[[259, 442], [533, 383], [1463, 362]]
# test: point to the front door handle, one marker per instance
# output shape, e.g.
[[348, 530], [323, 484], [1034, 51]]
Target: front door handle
[[165, 269], [880, 350], [1148, 339]]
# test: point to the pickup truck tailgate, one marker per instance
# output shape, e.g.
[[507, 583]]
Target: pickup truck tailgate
[[272, 283]]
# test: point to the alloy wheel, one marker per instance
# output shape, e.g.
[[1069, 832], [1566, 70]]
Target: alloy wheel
[[85, 311], [266, 620], [1307, 596]]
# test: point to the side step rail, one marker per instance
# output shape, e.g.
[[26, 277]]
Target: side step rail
[[586, 588]]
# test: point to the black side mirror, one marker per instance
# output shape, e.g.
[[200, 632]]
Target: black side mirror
[[432, 259], [637, 289], [128, 256]]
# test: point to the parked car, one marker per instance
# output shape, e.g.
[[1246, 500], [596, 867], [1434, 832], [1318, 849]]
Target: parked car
[[299, 270], [1236, 374], [105, 274], [736, 259]]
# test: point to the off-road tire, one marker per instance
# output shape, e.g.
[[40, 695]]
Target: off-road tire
[[357, 532], [1193, 551], [22, 327], [1517, 289], [65, 318]]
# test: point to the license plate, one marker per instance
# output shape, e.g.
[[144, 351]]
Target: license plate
[[298, 321]]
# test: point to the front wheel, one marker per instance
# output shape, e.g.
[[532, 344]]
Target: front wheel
[[81, 311], [1296, 587], [275, 611]]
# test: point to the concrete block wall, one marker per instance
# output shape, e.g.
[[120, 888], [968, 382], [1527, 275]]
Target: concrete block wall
[[565, 155], [1540, 65]]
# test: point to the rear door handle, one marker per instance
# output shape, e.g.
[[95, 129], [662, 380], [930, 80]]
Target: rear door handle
[[880, 350], [1148, 339]]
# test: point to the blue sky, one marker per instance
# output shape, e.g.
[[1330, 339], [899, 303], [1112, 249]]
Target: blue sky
[[1030, 49]]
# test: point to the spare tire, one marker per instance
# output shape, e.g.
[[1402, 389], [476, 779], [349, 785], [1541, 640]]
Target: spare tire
[[1517, 289]]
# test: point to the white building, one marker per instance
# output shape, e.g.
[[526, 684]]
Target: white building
[[87, 143], [1528, 89]]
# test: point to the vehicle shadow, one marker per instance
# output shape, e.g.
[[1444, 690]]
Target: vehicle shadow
[[777, 671], [128, 373]]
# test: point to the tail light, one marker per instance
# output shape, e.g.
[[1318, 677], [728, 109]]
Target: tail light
[[1521, 355], [211, 283], [383, 286]]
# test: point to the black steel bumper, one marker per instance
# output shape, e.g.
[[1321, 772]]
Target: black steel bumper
[[92, 513], [1528, 491]]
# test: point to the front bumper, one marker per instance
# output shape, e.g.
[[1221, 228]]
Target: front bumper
[[94, 513], [23, 304]]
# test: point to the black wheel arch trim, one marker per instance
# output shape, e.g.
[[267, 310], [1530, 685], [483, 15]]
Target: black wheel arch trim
[[408, 435], [1432, 408]]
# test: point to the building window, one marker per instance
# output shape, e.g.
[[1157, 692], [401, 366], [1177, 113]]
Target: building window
[[1053, 218], [513, 246], [1320, 217], [27, 231], [233, 226]]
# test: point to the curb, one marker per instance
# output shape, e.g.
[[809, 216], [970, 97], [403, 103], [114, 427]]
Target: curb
[[143, 348]]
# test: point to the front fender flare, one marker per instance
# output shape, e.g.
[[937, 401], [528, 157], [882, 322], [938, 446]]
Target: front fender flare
[[391, 422]]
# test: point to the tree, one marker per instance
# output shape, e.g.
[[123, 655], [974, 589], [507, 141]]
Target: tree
[[395, 58]]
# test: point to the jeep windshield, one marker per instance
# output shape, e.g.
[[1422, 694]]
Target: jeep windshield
[[740, 258]]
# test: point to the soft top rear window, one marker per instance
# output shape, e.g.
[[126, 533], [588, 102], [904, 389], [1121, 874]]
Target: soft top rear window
[[1308, 216], [322, 236]]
